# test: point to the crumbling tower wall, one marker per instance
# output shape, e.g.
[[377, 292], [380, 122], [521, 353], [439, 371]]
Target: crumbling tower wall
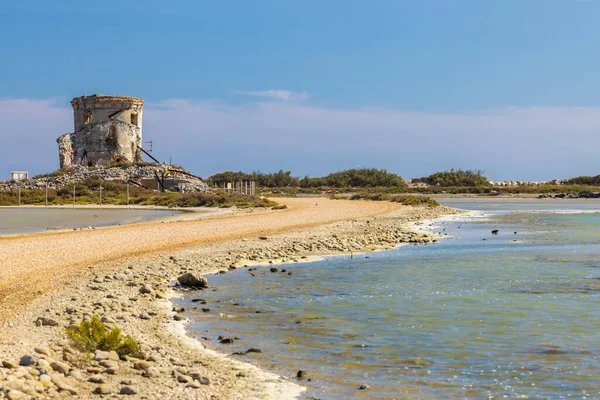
[[108, 129]]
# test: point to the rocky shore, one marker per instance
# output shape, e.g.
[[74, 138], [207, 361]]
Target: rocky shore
[[39, 361]]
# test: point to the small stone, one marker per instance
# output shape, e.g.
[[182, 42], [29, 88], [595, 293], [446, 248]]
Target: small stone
[[146, 289], [75, 373], [141, 365], [129, 390], [253, 350], [100, 355], [144, 316], [183, 378], [16, 395], [363, 387], [273, 269], [108, 364], [105, 389], [63, 384], [301, 374], [179, 317], [159, 295], [191, 280], [193, 385], [43, 321], [151, 372], [97, 379], [8, 364], [108, 320], [203, 380], [28, 360], [60, 367], [42, 350]]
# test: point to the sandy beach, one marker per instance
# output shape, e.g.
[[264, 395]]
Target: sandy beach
[[51, 280]]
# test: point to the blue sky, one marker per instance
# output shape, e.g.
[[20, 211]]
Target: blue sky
[[510, 87]]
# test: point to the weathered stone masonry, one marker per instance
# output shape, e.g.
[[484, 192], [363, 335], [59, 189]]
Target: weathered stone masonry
[[107, 129]]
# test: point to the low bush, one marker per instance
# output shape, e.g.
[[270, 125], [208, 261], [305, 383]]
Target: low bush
[[414, 201], [91, 335]]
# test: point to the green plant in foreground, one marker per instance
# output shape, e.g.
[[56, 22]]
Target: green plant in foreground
[[91, 335]]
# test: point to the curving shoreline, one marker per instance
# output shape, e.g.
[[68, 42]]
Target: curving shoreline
[[132, 293]]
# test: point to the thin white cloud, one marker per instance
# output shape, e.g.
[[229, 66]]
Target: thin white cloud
[[536, 143], [284, 95]]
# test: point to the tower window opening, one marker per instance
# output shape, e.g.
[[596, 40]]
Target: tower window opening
[[87, 118], [134, 119]]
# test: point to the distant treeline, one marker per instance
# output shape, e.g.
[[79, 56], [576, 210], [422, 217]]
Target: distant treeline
[[466, 178], [584, 180], [356, 178]]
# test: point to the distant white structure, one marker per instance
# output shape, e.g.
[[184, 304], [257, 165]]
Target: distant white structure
[[19, 175]]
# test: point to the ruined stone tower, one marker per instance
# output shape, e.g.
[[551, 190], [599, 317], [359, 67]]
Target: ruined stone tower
[[107, 129]]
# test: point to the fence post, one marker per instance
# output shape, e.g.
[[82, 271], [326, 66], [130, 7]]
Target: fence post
[[46, 194]]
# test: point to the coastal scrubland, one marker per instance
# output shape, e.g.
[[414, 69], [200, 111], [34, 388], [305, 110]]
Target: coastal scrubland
[[115, 193]]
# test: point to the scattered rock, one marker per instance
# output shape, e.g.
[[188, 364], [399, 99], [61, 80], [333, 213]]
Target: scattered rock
[[60, 367], [16, 395], [129, 390], [105, 389], [97, 379], [253, 350], [43, 321], [77, 374], [183, 378], [108, 320], [43, 350], [141, 365], [28, 360], [8, 364], [363, 387], [62, 383], [301, 374], [151, 372], [179, 317], [146, 289], [144, 315], [191, 280]]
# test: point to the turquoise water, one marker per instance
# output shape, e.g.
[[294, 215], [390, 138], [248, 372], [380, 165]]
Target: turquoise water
[[19, 220], [511, 316]]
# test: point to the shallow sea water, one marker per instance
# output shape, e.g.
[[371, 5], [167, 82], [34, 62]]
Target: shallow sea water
[[20, 220], [511, 316]]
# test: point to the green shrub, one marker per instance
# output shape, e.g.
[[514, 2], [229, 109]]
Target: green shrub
[[91, 335], [458, 177], [406, 200]]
